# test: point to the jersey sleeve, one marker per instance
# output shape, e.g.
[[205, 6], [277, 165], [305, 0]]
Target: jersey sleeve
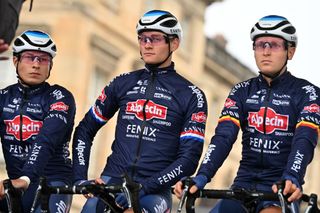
[[57, 124], [190, 148], [103, 109], [306, 135], [226, 134]]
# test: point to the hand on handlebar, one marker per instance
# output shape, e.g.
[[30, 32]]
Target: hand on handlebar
[[88, 182], [199, 183], [17, 183], [121, 199], [289, 188]]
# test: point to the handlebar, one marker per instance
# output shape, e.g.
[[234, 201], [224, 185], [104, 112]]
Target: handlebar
[[247, 196], [104, 192]]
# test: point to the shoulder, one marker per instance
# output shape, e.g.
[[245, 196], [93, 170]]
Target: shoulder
[[305, 87], [8, 90], [244, 85], [57, 92]]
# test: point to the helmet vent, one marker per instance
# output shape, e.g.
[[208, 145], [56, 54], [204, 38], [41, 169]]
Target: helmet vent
[[169, 23], [18, 42], [289, 30]]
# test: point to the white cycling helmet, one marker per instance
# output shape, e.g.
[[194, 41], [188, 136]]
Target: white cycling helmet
[[274, 25], [34, 40], [159, 20]]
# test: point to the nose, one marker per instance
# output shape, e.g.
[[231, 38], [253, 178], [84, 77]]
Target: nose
[[36, 59], [266, 49]]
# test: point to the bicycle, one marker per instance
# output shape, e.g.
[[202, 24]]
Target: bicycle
[[104, 192], [13, 197], [249, 198]]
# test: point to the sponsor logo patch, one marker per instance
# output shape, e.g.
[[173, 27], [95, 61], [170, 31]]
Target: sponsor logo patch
[[229, 103], [152, 110], [29, 127], [272, 122], [313, 108], [59, 106], [199, 117], [102, 97]]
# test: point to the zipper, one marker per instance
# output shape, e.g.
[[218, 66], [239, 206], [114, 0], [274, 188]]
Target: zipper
[[264, 119], [24, 100], [149, 94]]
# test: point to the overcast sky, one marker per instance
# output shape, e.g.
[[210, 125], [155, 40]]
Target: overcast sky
[[235, 18]]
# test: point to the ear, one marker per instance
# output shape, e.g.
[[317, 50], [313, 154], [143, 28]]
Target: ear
[[174, 44], [15, 60], [291, 51]]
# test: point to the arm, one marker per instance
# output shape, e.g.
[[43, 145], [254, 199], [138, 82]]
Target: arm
[[305, 137], [104, 108], [190, 149], [225, 135]]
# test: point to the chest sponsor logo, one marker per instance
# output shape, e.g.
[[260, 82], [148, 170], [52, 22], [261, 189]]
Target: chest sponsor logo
[[29, 127], [152, 110], [199, 117], [59, 106], [268, 121], [313, 108]]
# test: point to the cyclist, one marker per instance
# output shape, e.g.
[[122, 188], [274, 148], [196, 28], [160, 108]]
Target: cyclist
[[36, 122], [161, 121], [278, 115]]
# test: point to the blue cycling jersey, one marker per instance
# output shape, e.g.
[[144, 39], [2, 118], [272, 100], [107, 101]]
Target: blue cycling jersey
[[159, 132], [280, 125], [35, 127]]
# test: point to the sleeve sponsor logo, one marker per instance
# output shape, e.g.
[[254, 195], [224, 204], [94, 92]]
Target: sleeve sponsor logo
[[29, 127], [102, 97], [311, 91], [313, 108], [271, 122], [199, 94], [59, 106], [57, 94], [152, 110], [199, 117], [229, 103]]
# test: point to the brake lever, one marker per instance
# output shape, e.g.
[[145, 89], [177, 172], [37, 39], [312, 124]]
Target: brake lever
[[187, 184]]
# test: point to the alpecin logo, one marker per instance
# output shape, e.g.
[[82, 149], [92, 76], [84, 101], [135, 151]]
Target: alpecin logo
[[152, 110], [29, 127], [199, 117], [273, 121]]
